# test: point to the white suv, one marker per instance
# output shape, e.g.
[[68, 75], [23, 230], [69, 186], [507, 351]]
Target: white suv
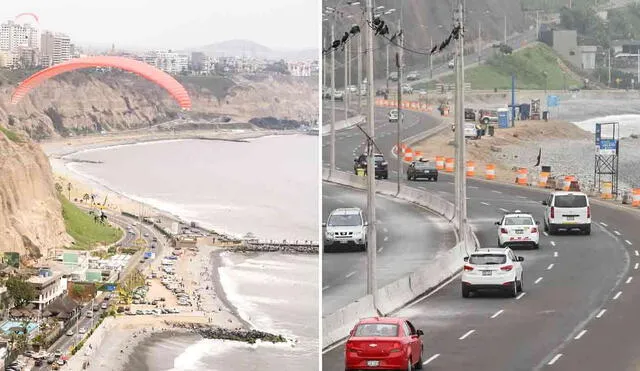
[[567, 210], [345, 227], [491, 268], [518, 229]]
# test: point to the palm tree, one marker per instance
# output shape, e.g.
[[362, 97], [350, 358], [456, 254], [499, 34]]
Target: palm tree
[[86, 197], [69, 189], [58, 187]]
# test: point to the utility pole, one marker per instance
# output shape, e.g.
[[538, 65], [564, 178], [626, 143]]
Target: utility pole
[[332, 158], [609, 57], [505, 29], [324, 69], [387, 68], [399, 64], [537, 24], [460, 180], [346, 93], [431, 61], [372, 284], [359, 73], [479, 41], [349, 68]]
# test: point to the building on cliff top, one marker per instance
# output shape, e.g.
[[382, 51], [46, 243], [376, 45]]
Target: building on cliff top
[[49, 285]]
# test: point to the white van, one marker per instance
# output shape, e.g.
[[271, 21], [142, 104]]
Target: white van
[[567, 210], [344, 227]]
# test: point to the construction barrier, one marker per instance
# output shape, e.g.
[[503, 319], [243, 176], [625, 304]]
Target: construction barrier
[[635, 201], [606, 193], [542, 179], [566, 185], [490, 171], [471, 168], [521, 178], [408, 155], [449, 165], [360, 171], [418, 155], [440, 162]]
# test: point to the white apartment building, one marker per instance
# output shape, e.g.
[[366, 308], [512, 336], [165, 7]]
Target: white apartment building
[[49, 285], [14, 36], [55, 48], [167, 61], [299, 69]]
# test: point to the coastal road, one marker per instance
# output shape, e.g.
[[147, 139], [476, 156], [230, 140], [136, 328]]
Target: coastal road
[[568, 282], [408, 236]]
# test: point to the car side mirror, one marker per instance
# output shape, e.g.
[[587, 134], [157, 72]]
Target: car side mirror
[[466, 258], [497, 223], [520, 258], [544, 202], [420, 333], [537, 222], [355, 160], [324, 225]]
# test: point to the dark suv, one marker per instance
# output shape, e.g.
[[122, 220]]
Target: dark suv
[[382, 170], [422, 169]]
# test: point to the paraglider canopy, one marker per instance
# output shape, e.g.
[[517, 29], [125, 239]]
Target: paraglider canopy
[[32, 15], [177, 91]]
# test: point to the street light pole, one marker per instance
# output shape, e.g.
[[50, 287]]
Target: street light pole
[[460, 148], [372, 284], [332, 160], [399, 62], [387, 77], [346, 80], [430, 61], [359, 73]]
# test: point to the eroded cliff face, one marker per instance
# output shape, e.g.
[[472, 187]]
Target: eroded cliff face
[[30, 213], [88, 102]]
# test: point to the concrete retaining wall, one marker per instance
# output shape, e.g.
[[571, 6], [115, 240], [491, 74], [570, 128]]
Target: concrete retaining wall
[[336, 326], [344, 124], [85, 353]]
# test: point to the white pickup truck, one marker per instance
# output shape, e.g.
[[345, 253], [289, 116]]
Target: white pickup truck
[[470, 130]]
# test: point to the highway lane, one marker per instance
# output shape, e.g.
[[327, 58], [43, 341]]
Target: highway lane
[[407, 236], [585, 270]]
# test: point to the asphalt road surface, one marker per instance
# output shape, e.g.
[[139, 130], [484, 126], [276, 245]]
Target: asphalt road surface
[[407, 237], [578, 309]]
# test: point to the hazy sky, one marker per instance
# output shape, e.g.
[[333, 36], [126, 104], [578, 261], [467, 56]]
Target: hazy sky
[[279, 24]]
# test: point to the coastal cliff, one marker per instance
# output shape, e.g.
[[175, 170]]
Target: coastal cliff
[[30, 213]]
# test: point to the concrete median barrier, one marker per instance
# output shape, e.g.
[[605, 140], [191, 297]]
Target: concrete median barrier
[[344, 124], [436, 271], [395, 295], [336, 326]]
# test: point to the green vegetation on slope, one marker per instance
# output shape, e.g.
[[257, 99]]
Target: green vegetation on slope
[[529, 66], [82, 227], [14, 137]]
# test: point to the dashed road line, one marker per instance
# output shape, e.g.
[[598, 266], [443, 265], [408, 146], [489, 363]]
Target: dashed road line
[[617, 295], [629, 279], [466, 335], [385, 230], [504, 210], [496, 314], [431, 359], [545, 233], [520, 296], [604, 224], [494, 191], [485, 203], [617, 233], [386, 238], [636, 252], [628, 242], [350, 274], [580, 335], [550, 266], [553, 243], [380, 249], [326, 287], [601, 313], [554, 359], [636, 266], [555, 254], [538, 280], [473, 187]]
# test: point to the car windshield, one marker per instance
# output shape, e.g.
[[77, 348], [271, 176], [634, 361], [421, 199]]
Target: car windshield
[[486, 259], [393, 112], [377, 330], [342, 220], [571, 201], [379, 159], [425, 165], [518, 220]]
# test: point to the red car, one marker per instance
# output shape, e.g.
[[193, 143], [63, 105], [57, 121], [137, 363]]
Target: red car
[[384, 343]]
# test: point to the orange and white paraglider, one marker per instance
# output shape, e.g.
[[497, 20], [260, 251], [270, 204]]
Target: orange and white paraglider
[[32, 15], [177, 91]]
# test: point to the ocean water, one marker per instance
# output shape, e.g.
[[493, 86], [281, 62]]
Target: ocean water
[[629, 124], [268, 186]]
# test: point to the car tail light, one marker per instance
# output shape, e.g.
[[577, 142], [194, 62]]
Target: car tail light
[[534, 230], [552, 212], [468, 268], [351, 348], [507, 268], [504, 230], [588, 211], [397, 347]]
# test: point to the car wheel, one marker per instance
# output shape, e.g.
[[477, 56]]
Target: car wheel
[[364, 247], [386, 176], [435, 179], [552, 230], [465, 291], [587, 230], [520, 284], [513, 293], [485, 120], [499, 244], [419, 363], [536, 246], [409, 365]]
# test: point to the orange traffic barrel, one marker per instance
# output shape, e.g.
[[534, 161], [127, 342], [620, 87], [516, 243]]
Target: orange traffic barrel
[[490, 171], [635, 201], [607, 188], [449, 164], [471, 168], [418, 155], [408, 155], [542, 179], [521, 178], [566, 185], [440, 162]]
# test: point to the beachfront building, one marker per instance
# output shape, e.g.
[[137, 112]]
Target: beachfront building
[[48, 285]]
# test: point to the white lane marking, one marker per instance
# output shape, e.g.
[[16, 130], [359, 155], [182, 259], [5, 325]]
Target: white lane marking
[[617, 233], [550, 266], [326, 287], [380, 249], [350, 274], [504, 210], [496, 314], [553, 243], [617, 295], [523, 197], [385, 230], [554, 359], [538, 280], [580, 335], [629, 279], [635, 266], [422, 187], [555, 254], [450, 182], [473, 187], [520, 296], [467, 334], [545, 233], [386, 238], [628, 242], [496, 191], [485, 203], [431, 359], [603, 224], [601, 313]]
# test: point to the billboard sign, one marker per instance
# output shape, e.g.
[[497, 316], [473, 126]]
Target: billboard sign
[[607, 147], [598, 134], [109, 287], [553, 101]]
